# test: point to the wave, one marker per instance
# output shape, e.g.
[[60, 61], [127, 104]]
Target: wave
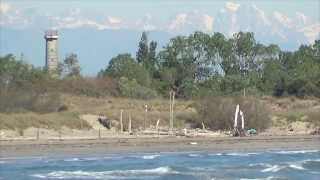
[[260, 165], [241, 154], [296, 166], [274, 168], [266, 178], [296, 152], [150, 156], [234, 154], [116, 174], [194, 155]]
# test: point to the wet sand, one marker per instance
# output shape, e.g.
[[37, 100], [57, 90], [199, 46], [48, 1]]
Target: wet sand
[[26, 148]]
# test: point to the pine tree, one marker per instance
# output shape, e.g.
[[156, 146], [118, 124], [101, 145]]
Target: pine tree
[[142, 54]]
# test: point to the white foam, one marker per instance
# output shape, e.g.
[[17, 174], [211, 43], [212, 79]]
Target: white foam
[[71, 159], [241, 154], [150, 156], [194, 155], [116, 174], [260, 164], [297, 152], [274, 168], [233, 154], [296, 166], [267, 178]]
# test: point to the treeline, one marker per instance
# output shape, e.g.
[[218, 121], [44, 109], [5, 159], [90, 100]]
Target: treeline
[[208, 65], [198, 65]]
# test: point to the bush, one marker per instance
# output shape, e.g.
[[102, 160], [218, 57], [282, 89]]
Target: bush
[[95, 87], [130, 88], [217, 113]]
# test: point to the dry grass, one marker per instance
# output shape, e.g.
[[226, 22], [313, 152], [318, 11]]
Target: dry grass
[[111, 106], [21, 121], [282, 110], [288, 110]]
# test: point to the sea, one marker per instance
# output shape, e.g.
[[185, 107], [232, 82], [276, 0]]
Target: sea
[[273, 164]]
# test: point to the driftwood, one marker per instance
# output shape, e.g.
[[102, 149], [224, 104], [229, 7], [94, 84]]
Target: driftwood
[[104, 121]]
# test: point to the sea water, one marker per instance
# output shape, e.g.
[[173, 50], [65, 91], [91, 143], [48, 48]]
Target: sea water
[[275, 164]]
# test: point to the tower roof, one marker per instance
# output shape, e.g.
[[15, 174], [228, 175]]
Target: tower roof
[[51, 34]]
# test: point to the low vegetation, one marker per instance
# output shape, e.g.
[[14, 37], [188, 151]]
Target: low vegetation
[[217, 113], [22, 121]]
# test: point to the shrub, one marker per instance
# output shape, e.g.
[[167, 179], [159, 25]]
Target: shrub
[[130, 88], [95, 87], [217, 113]]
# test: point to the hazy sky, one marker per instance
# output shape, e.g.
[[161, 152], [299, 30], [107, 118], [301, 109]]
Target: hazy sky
[[288, 23]]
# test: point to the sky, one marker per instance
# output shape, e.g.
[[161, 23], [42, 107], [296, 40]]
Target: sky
[[98, 30]]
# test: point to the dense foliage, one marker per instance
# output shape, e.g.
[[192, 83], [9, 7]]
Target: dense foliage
[[202, 64]]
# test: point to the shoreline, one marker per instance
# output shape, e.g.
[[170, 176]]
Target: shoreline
[[25, 148]]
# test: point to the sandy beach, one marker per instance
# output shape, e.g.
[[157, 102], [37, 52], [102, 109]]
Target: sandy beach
[[23, 148]]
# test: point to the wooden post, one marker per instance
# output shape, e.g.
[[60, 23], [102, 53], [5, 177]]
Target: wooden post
[[129, 125], [99, 134], [170, 117], [145, 116], [121, 124], [38, 134], [172, 94], [157, 127]]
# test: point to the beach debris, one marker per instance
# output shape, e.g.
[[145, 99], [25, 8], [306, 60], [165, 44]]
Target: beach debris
[[242, 120], [251, 131], [316, 132], [203, 127], [193, 143], [157, 125], [236, 130], [236, 116], [104, 121]]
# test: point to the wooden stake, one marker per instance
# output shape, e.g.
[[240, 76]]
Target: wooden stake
[[99, 133], [145, 116], [38, 134], [121, 124], [172, 94], [129, 125], [157, 127]]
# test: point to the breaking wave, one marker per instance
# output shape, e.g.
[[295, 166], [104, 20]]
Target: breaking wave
[[150, 156], [116, 174], [234, 154], [274, 168], [296, 152]]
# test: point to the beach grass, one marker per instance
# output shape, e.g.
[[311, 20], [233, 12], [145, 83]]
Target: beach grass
[[57, 120]]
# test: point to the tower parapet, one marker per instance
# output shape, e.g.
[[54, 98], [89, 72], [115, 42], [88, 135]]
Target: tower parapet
[[51, 37]]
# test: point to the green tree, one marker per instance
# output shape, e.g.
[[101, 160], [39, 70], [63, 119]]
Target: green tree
[[124, 65], [71, 67], [142, 54]]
